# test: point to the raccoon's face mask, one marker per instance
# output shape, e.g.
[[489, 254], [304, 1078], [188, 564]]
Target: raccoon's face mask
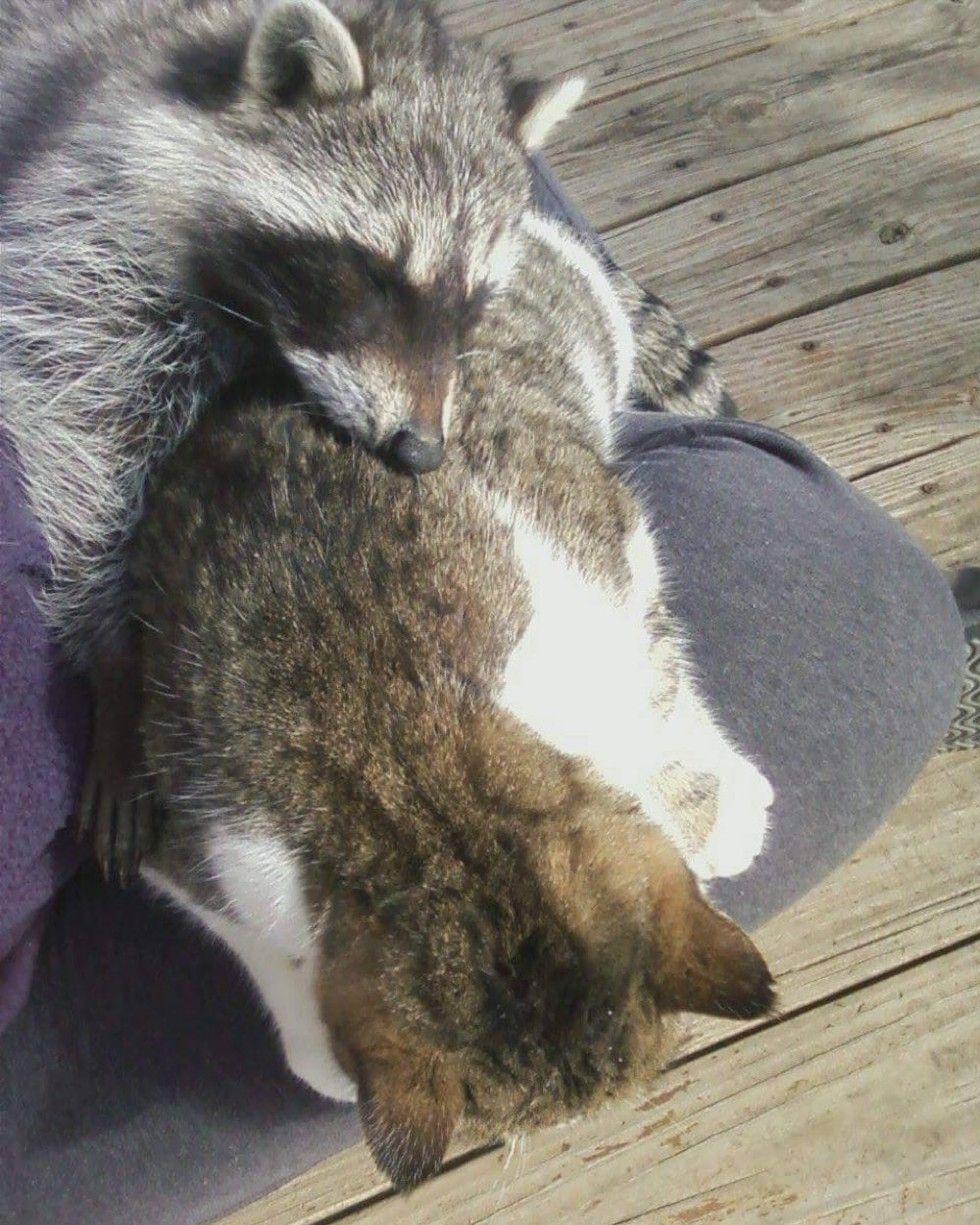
[[374, 352], [398, 217]]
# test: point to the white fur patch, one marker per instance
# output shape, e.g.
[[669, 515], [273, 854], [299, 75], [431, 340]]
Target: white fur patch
[[447, 405], [740, 829], [581, 675], [583, 678], [745, 794], [267, 928], [262, 882], [499, 265], [587, 367]]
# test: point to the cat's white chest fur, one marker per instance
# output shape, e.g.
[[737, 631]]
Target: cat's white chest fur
[[581, 674], [266, 924]]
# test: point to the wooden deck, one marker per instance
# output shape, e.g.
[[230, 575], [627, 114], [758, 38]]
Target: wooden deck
[[801, 180]]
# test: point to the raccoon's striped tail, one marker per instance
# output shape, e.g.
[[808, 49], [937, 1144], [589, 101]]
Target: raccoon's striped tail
[[673, 374]]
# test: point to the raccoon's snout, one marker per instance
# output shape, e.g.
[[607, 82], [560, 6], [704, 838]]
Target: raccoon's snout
[[415, 451], [418, 446]]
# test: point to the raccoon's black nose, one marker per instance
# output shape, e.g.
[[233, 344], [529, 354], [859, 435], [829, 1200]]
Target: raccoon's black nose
[[415, 452]]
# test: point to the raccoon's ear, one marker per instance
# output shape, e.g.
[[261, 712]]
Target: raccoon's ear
[[299, 50], [409, 1103], [536, 107], [702, 961]]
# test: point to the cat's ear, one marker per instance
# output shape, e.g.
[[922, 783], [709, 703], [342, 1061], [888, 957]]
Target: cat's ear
[[537, 107], [409, 1104], [702, 961], [409, 1097], [300, 51]]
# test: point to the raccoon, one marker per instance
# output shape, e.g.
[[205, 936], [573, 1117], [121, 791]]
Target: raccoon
[[434, 764], [319, 200]]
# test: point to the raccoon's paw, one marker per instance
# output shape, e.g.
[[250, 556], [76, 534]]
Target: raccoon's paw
[[739, 833], [121, 824], [117, 811]]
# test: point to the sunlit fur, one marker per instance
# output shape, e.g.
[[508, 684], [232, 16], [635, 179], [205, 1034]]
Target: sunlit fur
[[168, 226], [461, 711]]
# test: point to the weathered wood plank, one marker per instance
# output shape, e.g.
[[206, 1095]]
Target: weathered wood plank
[[476, 17], [886, 388], [881, 431], [621, 43], [654, 146], [905, 357], [937, 498], [798, 239], [910, 889], [864, 1109]]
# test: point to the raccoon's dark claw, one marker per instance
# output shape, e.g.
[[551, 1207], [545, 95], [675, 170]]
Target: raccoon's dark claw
[[85, 814], [117, 811], [133, 834], [122, 828]]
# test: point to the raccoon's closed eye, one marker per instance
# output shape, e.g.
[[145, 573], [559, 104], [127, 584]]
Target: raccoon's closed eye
[[380, 277]]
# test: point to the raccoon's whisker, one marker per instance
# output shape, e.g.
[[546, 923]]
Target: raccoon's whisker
[[473, 353], [218, 306]]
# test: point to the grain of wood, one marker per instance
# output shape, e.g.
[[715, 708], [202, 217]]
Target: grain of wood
[[880, 431], [936, 497], [797, 239], [619, 44], [867, 1105], [909, 890], [907, 356], [885, 388], [654, 146]]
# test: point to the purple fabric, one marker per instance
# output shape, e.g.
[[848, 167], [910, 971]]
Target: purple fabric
[[44, 728]]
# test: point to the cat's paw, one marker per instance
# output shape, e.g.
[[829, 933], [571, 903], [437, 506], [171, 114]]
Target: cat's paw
[[315, 1065], [739, 833]]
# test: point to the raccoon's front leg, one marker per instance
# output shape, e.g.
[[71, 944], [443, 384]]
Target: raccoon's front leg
[[117, 809], [672, 373]]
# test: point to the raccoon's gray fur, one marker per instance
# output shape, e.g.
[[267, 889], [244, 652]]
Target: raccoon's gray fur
[[672, 372], [194, 191], [419, 742]]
